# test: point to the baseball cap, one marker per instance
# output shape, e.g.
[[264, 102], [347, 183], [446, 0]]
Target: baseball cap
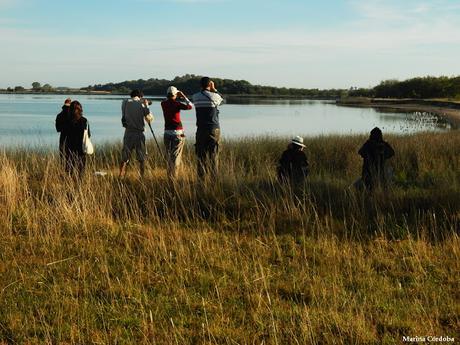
[[172, 90]]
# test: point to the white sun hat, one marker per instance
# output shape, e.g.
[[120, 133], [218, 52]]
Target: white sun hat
[[172, 90], [297, 140]]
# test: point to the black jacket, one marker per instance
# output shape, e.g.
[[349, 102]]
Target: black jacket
[[74, 135], [375, 152], [62, 124]]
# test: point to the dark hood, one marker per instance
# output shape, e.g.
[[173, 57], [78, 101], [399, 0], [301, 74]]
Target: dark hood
[[376, 134]]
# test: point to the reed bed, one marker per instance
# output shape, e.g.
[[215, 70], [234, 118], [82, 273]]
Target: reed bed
[[240, 260]]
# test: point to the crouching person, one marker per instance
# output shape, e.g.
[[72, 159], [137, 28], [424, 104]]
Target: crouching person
[[293, 164], [135, 112]]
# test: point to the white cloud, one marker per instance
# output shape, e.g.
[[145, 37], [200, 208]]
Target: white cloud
[[4, 4], [377, 10], [405, 13], [183, 1], [422, 8]]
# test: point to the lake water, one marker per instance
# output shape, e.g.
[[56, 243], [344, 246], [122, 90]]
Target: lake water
[[28, 120]]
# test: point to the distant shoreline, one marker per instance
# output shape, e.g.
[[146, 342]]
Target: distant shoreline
[[70, 92], [246, 96], [448, 110]]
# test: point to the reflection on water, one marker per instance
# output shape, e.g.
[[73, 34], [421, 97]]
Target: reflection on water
[[416, 121], [29, 119], [268, 101]]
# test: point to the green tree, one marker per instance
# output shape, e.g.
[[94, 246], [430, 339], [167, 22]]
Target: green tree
[[122, 90], [36, 85], [47, 88]]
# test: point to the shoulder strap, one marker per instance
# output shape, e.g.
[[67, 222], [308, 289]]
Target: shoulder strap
[[87, 127]]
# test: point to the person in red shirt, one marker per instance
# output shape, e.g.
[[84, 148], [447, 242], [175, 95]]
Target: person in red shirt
[[174, 137]]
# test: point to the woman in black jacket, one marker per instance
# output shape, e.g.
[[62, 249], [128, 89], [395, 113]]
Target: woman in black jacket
[[75, 128]]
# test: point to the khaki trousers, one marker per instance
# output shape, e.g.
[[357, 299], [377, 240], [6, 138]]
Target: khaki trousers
[[174, 145]]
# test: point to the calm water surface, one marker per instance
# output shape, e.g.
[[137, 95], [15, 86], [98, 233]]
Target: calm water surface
[[28, 120]]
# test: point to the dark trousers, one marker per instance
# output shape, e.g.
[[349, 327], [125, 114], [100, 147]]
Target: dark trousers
[[62, 149], [75, 162], [207, 150], [374, 177]]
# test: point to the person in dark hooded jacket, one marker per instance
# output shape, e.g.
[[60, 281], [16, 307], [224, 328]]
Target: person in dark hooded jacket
[[375, 152], [293, 164], [62, 125]]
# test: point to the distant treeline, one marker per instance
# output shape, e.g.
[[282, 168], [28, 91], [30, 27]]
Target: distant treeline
[[190, 83], [421, 87], [38, 88], [418, 88]]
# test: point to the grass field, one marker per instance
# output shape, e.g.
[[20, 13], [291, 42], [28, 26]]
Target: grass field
[[241, 260]]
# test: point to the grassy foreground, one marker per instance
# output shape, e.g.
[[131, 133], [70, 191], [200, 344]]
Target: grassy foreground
[[239, 261]]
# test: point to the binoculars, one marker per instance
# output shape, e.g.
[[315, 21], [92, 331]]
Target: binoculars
[[148, 101]]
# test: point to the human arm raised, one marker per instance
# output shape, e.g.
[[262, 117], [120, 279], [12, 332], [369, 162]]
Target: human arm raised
[[148, 116], [63, 116], [188, 104], [216, 97]]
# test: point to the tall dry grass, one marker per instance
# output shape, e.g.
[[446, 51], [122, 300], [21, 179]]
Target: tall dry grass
[[241, 260]]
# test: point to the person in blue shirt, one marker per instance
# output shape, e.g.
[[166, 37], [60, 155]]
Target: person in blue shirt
[[208, 128]]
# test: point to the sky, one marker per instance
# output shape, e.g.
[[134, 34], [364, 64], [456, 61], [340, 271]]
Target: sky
[[290, 43]]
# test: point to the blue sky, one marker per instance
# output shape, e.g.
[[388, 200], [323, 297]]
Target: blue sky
[[290, 43]]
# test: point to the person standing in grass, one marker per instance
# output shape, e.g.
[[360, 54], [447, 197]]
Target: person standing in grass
[[293, 164], [135, 112], [208, 128], [174, 137], [62, 121], [73, 145], [375, 152]]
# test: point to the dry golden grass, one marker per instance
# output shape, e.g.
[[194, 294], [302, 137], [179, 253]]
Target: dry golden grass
[[241, 260]]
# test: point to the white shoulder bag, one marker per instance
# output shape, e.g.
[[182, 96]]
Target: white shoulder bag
[[88, 147]]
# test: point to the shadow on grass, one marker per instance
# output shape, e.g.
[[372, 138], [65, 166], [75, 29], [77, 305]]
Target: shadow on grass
[[265, 206]]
